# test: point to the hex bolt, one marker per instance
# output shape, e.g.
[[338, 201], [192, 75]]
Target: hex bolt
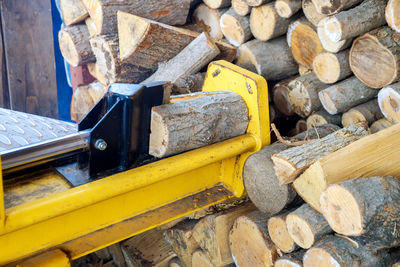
[[100, 144]]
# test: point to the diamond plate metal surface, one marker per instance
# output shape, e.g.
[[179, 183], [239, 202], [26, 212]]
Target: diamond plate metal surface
[[19, 129]]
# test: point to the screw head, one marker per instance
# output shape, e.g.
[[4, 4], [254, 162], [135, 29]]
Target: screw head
[[100, 144]]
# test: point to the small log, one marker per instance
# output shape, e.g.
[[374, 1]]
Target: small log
[[111, 68], [214, 4], [301, 126], [290, 163], [328, 45], [311, 13], [200, 259], [73, 11], [344, 95], [303, 41], [365, 207], [208, 19], [212, 234], [365, 114], [322, 117], [189, 84], [331, 68], [249, 241], [389, 102], [280, 96], [176, 262], [287, 8], [203, 119], [241, 7], [391, 14], [254, 3], [279, 234], [235, 28], [304, 94], [272, 59], [330, 7], [189, 61], [146, 43], [365, 17], [303, 70], [75, 46], [294, 259], [84, 98], [382, 44], [182, 241], [358, 159], [104, 12], [337, 251], [266, 24], [93, 69], [91, 27], [380, 125], [306, 226], [260, 181]]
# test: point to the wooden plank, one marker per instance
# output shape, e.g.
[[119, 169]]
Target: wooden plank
[[29, 54]]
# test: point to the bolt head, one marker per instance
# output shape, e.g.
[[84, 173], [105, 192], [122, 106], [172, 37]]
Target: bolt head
[[100, 144]]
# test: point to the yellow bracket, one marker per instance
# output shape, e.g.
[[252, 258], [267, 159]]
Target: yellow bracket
[[86, 218]]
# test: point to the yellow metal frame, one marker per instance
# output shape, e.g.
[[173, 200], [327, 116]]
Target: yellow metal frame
[[86, 218]]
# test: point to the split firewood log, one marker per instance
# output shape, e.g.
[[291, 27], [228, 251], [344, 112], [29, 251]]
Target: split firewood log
[[290, 163], [365, 114], [73, 11], [389, 102], [344, 95], [331, 68], [382, 44]]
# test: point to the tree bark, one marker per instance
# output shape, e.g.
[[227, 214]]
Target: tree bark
[[272, 59], [189, 61], [84, 98], [73, 11], [208, 19], [280, 96], [304, 94], [111, 67], [358, 159], [344, 95], [382, 44], [235, 28], [260, 181], [214, 4], [254, 3], [328, 45], [331, 68], [204, 118], [365, 207], [364, 114], [290, 163], [389, 102], [331, 7], [212, 234], [182, 241], [322, 117], [380, 125], [249, 241], [303, 42], [294, 259], [306, 226], [279, 234], [287, 8], [311, 13], [104, 12], [266, 24], [337, 251], [391, 14], [146, 43], [189, 84], [241, 7], [75, 46]]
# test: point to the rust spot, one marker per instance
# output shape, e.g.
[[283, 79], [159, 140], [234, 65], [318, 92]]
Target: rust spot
[[161, 13], [144, 45]]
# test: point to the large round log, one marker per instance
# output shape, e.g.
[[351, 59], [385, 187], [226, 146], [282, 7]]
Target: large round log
[[303, 41], [280, 96], [330, 67], [344, 95], [208, 19], [272, 59], [375, 57], [328, 44], [391, 14], [235, 28], [366, 207], [389, 102], [365, 114], [75, 45], [73, 11]]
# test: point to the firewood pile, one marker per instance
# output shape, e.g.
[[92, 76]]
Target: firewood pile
[[324, 196]]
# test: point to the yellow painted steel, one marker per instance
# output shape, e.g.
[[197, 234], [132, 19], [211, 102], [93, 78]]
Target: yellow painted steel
[[53, 258], [86, 218]]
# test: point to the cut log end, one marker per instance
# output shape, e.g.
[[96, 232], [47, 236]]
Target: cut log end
[[68, 48], [341, 210], [279, 234], [261, 28], [240, 7], [374, 73], [214, 4], [389, 102], [235, 28], [287, 8], [209, 19], [333, 28], [330, 46], [300, 230], [327, 67], [319, 257], [391, 14], [327, 102]]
